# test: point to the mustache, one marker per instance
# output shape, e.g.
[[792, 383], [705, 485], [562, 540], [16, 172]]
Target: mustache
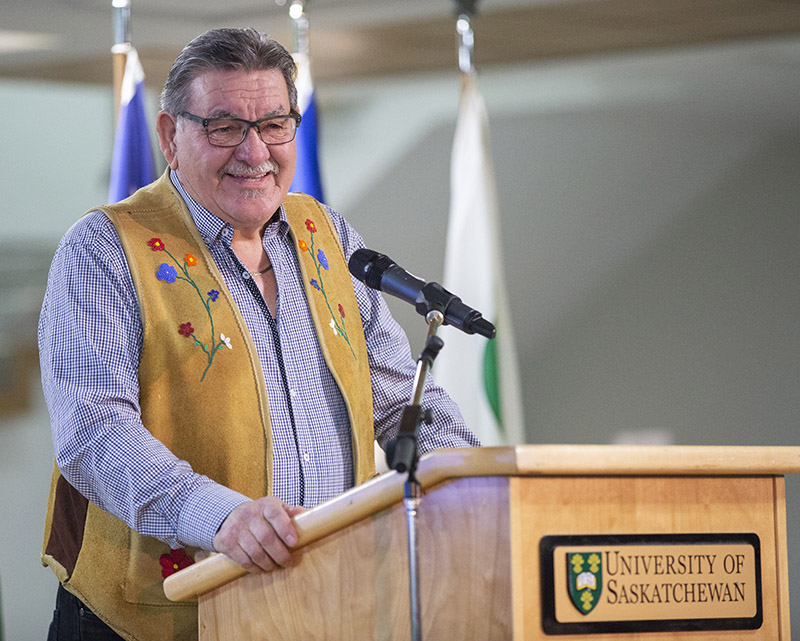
[[243, 169]]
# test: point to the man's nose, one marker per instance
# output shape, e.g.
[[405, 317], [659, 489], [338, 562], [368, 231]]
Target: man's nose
[[252, 149]]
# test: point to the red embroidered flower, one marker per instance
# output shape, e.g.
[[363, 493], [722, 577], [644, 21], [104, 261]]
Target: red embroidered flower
[[302, 245], [186, 330], [341, 310], [156, 245], [174, 561], [310, 225], [190, 260]]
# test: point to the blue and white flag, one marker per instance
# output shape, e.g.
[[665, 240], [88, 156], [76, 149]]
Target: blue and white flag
[[306, 175], [132, 164], [481, 376]]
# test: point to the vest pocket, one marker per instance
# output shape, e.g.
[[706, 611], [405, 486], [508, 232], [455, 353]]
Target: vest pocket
[[148, 561]]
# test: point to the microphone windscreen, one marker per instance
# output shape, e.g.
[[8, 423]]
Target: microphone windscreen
[[359, 262], [368, 266]]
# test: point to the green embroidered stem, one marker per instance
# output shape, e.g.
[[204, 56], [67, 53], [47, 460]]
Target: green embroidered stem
[[340, 329], [215, 346]]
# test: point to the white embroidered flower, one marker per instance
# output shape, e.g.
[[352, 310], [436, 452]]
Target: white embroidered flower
[[333, 327], [226, 340]]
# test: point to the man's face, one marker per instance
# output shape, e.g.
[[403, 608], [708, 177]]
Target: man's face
[[242, 185]]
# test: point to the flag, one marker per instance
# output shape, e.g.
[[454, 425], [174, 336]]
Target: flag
[[306, 174], [481, 376], [132, 164]]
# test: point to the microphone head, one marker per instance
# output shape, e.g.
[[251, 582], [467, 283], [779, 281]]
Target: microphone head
[[368, 266], [360, 262]]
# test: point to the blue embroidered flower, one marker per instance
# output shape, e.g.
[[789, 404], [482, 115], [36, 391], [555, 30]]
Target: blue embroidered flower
[[213, 294], [315, 284], [167, 273], [323, 260]]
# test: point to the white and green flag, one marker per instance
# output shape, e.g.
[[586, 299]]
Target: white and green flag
[[481, 376]]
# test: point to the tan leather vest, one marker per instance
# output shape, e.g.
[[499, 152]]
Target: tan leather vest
[[199, 374]]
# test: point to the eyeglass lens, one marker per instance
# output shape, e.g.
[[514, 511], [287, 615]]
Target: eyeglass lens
[[229, 132]]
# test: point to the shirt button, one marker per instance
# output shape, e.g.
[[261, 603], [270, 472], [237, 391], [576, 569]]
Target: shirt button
[[306, 457], [293, 393], [245, 275]]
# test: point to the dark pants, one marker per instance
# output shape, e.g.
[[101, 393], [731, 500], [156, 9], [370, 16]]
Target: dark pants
[[73, 621]]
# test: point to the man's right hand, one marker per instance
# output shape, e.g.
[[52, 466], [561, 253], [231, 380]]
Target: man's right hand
[[258, 535]]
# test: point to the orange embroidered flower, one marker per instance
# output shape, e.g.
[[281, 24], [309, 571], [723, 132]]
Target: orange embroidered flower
[[174, 561], [191, 261], [302, 245]]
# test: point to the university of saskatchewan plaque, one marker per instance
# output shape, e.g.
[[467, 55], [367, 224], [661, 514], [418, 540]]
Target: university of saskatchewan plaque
[[595, 584]]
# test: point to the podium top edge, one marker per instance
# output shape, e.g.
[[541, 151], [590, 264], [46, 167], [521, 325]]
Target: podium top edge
[[657, 460]]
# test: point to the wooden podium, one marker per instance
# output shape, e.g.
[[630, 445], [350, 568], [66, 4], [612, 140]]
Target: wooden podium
[[683, 543]]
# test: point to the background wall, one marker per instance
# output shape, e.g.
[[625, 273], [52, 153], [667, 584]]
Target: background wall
[[650, 225]]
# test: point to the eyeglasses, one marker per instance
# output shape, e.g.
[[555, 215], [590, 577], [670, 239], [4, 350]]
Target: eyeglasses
[[231, 132]]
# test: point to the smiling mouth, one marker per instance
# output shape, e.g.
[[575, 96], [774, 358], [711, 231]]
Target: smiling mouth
[[252, 174], [249, 177]]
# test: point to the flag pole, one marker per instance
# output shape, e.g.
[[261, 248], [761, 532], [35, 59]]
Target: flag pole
[[465, 9], [119, 51], [299, 27], [466, 44]]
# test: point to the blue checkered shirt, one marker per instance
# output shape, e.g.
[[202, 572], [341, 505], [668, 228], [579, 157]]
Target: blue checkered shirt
[[90, 340]]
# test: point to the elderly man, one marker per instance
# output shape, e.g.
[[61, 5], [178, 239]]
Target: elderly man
[[209, 364]]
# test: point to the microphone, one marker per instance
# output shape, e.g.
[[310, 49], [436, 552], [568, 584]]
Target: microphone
[[378, 271]]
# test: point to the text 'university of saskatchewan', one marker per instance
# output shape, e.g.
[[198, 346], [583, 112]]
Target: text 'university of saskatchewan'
[[619, 564]]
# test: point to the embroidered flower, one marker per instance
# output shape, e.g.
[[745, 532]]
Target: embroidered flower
[[314, 284], [167, 273], [332, 325], [310, 225], [178, 270], [174, 561], [323, 260], [226, 340], [302, 245], [341, 310]]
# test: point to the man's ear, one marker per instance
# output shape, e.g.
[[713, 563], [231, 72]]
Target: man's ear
[[166, 126]]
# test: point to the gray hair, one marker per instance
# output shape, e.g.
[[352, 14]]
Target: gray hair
[[225, 50]]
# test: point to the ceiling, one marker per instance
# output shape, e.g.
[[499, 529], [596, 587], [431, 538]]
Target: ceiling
[[70, 40]]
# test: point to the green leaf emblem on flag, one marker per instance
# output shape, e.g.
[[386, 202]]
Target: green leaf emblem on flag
[[585, 579]]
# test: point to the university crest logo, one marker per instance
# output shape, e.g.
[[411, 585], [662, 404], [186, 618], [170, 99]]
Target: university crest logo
[[585, 579]]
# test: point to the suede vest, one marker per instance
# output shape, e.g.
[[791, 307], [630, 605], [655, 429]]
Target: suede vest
[[203, 394]]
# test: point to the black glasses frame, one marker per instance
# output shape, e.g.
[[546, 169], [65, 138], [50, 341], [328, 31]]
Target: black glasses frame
[[249, 124]]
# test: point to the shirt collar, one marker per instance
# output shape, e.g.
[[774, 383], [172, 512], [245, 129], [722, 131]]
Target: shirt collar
[[212, 228]]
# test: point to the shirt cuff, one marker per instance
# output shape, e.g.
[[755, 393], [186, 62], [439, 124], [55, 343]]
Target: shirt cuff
[[203, 513]]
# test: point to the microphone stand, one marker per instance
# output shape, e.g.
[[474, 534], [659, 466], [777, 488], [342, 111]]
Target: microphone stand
[[404, 457]]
